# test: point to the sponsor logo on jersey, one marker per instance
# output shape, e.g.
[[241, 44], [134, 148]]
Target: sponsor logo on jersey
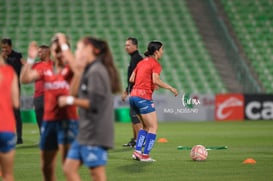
[[56, 85], [48, 73]]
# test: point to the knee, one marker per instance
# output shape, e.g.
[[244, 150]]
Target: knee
[[66, 170], [153, 128], [98, 175], [138, 126]]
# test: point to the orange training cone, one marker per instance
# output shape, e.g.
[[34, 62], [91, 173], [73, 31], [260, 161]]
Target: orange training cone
[[162, 140], [249, 161]]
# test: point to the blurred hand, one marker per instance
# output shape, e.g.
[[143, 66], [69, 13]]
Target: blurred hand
[[174, 91], [4, 55], [62, 101], [81, 60], [156, 87], [124, 96], [32, 50], [62, 38]]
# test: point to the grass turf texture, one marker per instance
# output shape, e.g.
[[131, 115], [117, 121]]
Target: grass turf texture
[[244, 139]]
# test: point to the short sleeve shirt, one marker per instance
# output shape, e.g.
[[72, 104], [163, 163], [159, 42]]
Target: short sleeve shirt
[[96, 126], [144, 85], [56, 85], [7, 120], [39, 84]]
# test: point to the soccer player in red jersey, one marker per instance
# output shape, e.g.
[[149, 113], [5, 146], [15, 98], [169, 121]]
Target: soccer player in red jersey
[[60, 125], [146, 79], [9, 96], [15, 60], [44, 56]]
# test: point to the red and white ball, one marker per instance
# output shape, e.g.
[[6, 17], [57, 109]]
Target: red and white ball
[[199, 153]]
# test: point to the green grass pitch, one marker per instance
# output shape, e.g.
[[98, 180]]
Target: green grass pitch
[[249, 139]]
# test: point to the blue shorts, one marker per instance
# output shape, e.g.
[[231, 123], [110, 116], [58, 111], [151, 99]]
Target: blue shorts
[[54, 133], [7, 141], [91, 156], [141, 106]]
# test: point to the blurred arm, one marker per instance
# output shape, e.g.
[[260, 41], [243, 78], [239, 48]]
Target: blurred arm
[[157, 81], [27, 74], [132, 77], [15, 92]]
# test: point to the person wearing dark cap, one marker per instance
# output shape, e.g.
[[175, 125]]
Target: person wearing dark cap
[[131, 47], [15, 60]]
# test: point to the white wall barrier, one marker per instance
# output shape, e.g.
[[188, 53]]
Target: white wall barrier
[[197, 107], [186, 107]]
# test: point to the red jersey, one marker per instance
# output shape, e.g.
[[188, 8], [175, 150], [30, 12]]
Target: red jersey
[[39, 84], [144, 86], [7, 120], [56, 85]]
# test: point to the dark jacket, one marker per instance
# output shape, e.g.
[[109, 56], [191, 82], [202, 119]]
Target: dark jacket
[[135, 58]]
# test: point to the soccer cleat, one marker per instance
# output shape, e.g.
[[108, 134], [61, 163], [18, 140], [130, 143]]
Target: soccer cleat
[[136, 155], [146, 158], [131, 143]]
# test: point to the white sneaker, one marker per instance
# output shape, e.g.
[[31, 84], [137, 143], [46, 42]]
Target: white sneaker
[[146, 158], [136, 155]]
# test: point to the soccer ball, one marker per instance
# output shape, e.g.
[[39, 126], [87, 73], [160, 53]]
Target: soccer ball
[[199, 153]]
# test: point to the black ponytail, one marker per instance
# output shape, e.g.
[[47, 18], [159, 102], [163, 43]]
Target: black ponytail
[[153, 46]]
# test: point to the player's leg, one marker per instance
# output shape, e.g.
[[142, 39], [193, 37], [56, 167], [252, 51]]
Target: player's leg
[[139, 144], [136, 126], [134, 103], [48, 164], [67, 132], [63, 149], [39, 110], [150, 120], [7, 152], [6, 165], [49, 149], [19, 125], [148, 115], [95, 158], [71, 168], [72, 163], [141, 136], [98, 173]]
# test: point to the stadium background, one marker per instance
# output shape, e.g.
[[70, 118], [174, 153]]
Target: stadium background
[[211, 46]]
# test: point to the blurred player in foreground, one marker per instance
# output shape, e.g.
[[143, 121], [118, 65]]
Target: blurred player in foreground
[[94, 87], [15, 60], [43, 63], [9, 96], [131, 46], [60, 125], [146, 79]]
